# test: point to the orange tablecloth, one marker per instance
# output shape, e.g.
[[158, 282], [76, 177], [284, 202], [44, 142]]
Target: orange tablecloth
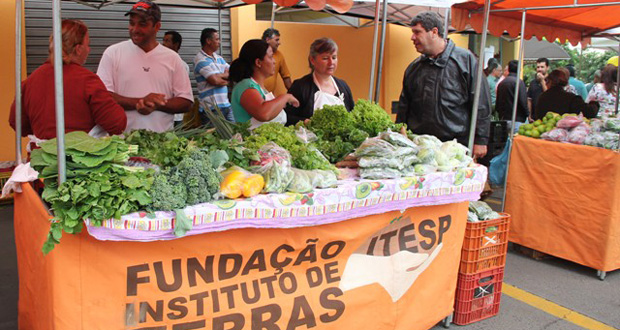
[[396, 270], [565, 201]]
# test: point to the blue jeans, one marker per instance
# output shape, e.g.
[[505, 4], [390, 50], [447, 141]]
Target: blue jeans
[[226, 111]]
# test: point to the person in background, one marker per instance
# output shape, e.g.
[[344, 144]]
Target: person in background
[[597, 79], [211, 72], [605, 92], [272, 37], [319, 87], [495, 71], [147, 79], [250, 100], [569, 88], [580, 87], [438, 88], [506, 96], [173, 40], [502, 77], [557, 99], [537, 86], [88, 105]]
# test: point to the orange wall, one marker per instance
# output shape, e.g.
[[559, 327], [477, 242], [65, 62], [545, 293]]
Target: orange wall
[[354, 51], [7, 83]]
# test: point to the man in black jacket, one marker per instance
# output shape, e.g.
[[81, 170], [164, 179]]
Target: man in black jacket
[[438, 88], [506, 96]]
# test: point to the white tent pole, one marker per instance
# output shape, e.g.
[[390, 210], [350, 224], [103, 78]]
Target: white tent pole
[[58, 87], [474, 111], [18, 81], [273, 13], [374, 51], [617, 80], [381, 49], [514, 106], [446, 24]]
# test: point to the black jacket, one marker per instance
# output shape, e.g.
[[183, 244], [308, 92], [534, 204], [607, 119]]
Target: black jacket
[[438, 95], [506, 96], [556, 99], [303, 89]]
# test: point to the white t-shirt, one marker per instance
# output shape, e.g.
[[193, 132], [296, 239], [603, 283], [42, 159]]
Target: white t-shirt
[[127, 70], [179, 116]]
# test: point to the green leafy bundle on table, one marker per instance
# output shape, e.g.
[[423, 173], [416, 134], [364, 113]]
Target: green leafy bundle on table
[[192, 181], [305, 156], [372, 119], [238, 154], [98, 187], [164, 149]]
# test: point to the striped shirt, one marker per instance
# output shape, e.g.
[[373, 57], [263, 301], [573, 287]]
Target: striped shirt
[[204, 67]]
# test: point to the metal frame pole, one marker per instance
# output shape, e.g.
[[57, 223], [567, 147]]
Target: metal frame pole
[[617, 80], [514, 106], [446, 24], [381, 50], [374, 51], [273, 13], [18, 81], [58, 88], [474, 111]]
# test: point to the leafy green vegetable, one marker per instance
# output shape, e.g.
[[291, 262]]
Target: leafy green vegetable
[[371, 118], [164, 149]]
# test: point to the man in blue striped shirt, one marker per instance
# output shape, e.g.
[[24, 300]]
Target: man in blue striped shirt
[[211, 72]]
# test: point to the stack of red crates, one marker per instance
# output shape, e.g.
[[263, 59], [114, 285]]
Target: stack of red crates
[[479, 287]]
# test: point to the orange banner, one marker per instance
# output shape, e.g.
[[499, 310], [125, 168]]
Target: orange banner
[[564, 200], [390, 271]]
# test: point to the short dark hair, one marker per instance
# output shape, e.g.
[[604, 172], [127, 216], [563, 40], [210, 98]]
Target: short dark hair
[[492, 66], [428, 20], [609, 77], [513, 66], [571, 70], [543, 59], [270, 33], [558, 78], [176, 37], [206, 33]]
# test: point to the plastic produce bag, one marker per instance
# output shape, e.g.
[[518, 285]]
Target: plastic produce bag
[[275, 167], [607, 140], [613, 125], [556, 134], [305, 135], [481, 209], [577, 136], [426, 141], [423, 169], [498, 165], [376, 147], [323, 178], [398, 162], [397, 139], [597, 125], [378, 173], [569, 122], [301, 183], [427, 156]]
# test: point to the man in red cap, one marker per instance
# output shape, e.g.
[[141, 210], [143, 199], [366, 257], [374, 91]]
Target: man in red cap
[[147, 79]]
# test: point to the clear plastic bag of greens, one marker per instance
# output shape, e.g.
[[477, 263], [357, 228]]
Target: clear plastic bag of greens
[[397, 139], [305, 135], [379, 173], [301, 183], [454, 150], [427, 156], [323, 178], [426, 141], [375, 148], [481, 209], [423, 169], [398, 162], [275, 167], [613, 125]]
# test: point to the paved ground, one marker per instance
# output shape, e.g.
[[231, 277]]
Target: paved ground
[[560, 283]]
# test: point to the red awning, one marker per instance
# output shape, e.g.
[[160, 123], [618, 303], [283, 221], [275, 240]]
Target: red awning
[[574, 24]]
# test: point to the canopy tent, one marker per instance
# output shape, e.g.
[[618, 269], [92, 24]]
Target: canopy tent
[[535, 49], [567, 20]]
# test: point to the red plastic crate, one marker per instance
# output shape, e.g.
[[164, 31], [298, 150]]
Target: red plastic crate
[[478, 296], [485, 245]]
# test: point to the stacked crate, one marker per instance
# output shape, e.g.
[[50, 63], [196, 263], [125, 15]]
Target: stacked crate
[[483, 257]]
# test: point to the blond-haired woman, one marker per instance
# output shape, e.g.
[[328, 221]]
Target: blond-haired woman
[[88, 104]]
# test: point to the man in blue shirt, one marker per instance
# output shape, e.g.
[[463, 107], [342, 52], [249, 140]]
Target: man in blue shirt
[[211, 72], [578, 84]]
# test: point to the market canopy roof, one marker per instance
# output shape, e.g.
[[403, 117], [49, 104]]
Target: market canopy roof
[[567, 20], [535, 49], [341, 6]]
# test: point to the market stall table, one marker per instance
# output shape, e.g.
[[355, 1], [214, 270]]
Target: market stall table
[[386, 258], [565, 201]]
